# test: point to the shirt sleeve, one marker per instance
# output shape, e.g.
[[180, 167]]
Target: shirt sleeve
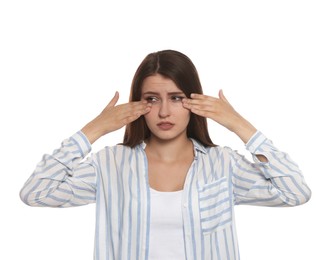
[[278, 182], [64, 178]]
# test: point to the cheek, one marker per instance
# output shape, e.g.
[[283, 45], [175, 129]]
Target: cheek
[[185, 113], [149, 116]]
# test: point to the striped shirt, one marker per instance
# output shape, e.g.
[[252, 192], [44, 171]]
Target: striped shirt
[[116, 179]]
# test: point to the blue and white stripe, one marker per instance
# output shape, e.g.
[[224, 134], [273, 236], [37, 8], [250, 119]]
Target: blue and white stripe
[[116, 179]]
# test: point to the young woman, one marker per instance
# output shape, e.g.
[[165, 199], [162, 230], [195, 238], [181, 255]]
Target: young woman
[[166, 192]]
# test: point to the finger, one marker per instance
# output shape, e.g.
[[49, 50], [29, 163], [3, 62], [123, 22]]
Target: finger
[[201, 99], [142, 109], [134, 115], [200, 104], [135, 108], [221, 94], [132, 107], [200, 110], [185, 103], [203, 113], [200, 96], [138, 105], [114, 100]]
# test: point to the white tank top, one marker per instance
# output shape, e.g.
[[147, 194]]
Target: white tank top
[[166, 226]]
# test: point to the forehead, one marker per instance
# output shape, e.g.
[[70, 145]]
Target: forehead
[[158, 83]]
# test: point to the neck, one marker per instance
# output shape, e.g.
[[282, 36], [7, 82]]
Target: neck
[[170, 150]]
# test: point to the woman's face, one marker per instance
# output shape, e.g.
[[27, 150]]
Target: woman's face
[[168, 119]]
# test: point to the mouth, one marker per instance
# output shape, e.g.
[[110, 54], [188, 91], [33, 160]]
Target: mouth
[[165, 125]]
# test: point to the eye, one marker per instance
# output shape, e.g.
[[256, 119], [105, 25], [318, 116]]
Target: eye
[[177, 98], [152, 99]]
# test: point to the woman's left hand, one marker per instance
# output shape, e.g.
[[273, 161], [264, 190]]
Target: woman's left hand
[[217, 109], [221, 111]]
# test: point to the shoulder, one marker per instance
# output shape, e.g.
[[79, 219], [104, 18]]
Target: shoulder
[[117, 154], [119, 149]]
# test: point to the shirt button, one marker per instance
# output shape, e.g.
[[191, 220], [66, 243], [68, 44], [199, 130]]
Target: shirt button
[[185, 205]]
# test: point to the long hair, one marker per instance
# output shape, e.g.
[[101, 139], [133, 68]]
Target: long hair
[[180, 69]]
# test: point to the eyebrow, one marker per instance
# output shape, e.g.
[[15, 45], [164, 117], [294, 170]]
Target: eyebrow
[[169, 93]]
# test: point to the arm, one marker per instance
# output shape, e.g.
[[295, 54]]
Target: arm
[[277, 181], [64, 178], [114, 117], [274, 179], [61, 179], [221, 111]]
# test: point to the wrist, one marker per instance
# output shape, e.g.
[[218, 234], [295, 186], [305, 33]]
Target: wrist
[[92, 132], [243, 129]]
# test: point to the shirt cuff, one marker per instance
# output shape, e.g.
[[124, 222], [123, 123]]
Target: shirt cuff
[[255, 142], [82, 142]]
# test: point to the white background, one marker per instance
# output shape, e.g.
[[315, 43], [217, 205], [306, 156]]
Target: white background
[[62, 61]]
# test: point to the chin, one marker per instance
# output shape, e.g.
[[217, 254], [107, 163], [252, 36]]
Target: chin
[[168, 136]]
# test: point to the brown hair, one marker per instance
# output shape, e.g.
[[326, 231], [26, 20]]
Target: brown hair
[[180, 69]]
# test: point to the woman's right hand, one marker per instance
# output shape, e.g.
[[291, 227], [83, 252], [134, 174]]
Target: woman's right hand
[[115, 117]]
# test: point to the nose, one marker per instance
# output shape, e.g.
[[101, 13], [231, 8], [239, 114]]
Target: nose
[[164, 109]]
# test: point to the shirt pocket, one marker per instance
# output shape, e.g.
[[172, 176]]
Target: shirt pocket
[[214, 205]]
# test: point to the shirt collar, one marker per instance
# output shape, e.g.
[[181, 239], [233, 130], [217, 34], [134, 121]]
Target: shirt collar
[[198, 147]]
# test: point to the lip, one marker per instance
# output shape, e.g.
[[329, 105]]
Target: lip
[[165, 125]]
